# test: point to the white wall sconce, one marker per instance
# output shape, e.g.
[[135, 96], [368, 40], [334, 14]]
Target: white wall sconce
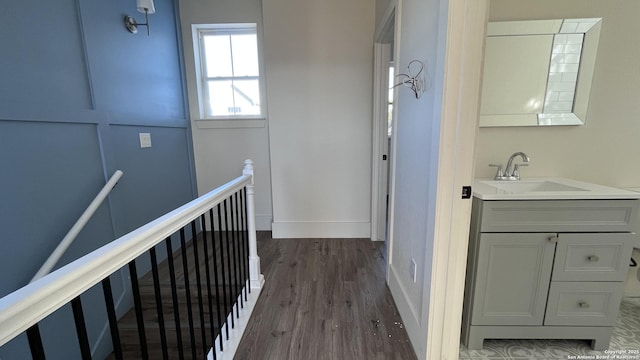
[[144, 6]]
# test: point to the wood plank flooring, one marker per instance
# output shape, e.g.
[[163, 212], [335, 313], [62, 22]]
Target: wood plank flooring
[[324, 299]]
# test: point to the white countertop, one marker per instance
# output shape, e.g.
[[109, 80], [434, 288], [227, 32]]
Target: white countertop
[[547, 189]]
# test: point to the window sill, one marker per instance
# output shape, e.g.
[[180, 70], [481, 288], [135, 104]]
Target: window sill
[[229, 123]]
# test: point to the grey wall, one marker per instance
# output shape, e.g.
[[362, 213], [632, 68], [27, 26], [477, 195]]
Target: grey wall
[[76, 90]]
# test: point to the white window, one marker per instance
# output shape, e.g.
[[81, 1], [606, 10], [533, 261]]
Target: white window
[[228, 70]]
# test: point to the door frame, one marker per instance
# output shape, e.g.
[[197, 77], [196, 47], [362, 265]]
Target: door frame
[[379, 170], [466, 28], [382, 57]]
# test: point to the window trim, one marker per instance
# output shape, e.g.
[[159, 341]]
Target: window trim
[[226, 121]]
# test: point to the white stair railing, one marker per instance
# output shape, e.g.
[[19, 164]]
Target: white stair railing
[[22, 310], [77, 227]]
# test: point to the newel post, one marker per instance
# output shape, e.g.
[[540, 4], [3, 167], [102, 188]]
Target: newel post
[[256, 279]]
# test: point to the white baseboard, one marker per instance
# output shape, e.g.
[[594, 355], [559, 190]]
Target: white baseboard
[[417, 334], [320, 229]]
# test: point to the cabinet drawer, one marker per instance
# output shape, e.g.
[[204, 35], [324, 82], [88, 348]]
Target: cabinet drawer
[[593, 257], [559, 216], [583, 303]]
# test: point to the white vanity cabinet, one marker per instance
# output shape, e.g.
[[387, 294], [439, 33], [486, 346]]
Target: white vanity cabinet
[[547, 269]]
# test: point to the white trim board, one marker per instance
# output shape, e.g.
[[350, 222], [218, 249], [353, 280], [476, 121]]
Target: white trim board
[[320, 229], [382, 57], [411, 322], [467, 20]]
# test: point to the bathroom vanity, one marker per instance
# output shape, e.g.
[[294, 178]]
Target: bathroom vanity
[[547, 260]]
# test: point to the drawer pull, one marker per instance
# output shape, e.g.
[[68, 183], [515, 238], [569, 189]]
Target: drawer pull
[[592, 258], [583, 305], [553, 238]]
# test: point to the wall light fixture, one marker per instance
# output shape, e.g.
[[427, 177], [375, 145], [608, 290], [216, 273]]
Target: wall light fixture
[[144, 6]]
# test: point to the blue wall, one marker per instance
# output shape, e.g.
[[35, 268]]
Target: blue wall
[[76, 88]]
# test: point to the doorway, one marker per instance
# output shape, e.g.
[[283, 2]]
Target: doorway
[[383, 113]]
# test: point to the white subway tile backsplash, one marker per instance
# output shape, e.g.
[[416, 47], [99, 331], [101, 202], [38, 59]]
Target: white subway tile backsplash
[[558, 49], [552, 96], [574, 38], [561, 86], [565, 96], [561, 39], [558, 58], [563, 73], [559, 106], [563, 67], [572, 49], [572, 59], [570, 77], [555, 76]]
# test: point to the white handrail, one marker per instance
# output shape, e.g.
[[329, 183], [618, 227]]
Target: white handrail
[[77, 227], [27, 306]]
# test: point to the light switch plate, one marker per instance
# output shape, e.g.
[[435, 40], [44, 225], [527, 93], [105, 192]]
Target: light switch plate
[[145, 140]]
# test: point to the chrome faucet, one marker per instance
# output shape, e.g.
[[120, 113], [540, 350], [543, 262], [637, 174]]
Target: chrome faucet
[[511, 173]]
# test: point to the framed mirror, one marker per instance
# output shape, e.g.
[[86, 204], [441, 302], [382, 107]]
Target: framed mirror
[[538, 72]]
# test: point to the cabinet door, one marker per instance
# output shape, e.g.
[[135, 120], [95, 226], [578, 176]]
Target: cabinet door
[[512, 278]]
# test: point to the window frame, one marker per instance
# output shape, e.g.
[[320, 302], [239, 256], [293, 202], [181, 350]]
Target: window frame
[[202, 80]]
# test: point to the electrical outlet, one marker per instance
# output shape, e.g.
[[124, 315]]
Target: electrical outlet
[[145, 140], [413, 269]]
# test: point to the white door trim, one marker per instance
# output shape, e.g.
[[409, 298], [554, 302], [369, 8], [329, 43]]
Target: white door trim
[[381, 59], [463, 71], [391, 20]]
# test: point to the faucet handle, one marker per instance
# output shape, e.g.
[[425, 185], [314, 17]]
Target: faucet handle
[[499, 172], [516, 169]]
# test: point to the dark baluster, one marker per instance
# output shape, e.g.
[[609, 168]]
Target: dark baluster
[[245, 256], [187, 290], [35, 343], [113, 319], [224, 288], [215, 272], [196, 260], [226, 238], [174, 297], [236, 255], [246, 233], [159, 309], [81, 328], [135, 288], [205, 247]]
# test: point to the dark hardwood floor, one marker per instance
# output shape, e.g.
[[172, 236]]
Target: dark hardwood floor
[[324, 299]]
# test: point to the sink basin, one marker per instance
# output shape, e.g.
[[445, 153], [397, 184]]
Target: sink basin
[[546, 189], [531, 186]]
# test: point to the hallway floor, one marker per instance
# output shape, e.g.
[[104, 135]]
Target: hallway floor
[[324, 299]]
